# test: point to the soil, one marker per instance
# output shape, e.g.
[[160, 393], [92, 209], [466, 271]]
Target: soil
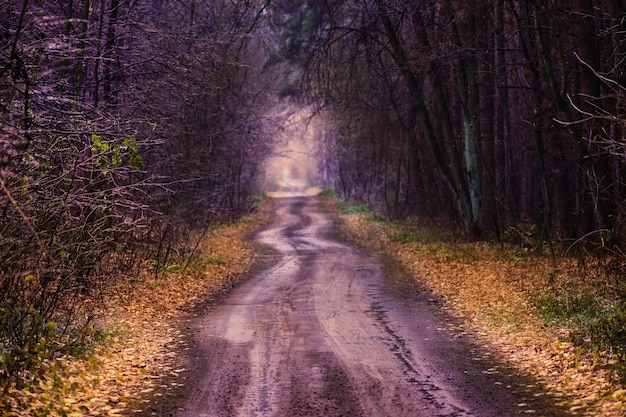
[[324, 328]]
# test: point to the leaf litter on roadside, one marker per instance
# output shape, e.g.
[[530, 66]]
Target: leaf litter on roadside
[[488, 288], [140, 349]]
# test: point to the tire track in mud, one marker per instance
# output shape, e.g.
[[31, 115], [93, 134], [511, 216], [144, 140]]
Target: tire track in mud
[[398, 346], [320, 334]]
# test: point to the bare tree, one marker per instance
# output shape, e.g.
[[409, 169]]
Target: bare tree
[[123, 126]]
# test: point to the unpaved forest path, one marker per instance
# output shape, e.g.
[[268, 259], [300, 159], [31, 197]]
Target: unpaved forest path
[[326, 332]]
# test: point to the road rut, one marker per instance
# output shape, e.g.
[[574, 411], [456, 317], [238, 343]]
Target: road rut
[[322, 332]]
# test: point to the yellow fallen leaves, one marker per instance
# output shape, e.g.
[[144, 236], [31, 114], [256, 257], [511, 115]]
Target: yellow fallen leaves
[[141, 351], [488, 288]]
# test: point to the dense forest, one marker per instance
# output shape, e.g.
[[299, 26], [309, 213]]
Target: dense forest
[[124, 127], [500, 115], [127, 125]]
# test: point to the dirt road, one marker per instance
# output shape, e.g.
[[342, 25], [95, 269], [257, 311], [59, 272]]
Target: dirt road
[[328, 331]]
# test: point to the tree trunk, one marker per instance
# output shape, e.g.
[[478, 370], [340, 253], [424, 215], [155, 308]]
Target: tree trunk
[[466, 74], [452, 173], [109, 55], [617, 8]]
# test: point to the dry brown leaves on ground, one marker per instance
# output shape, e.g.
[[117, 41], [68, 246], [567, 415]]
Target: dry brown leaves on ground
[[488, 288], [140, 352]]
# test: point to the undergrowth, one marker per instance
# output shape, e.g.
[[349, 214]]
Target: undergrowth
[[424, 236], [43, 381], [328, 192], [594, 319], [120, 354], [354, 209]]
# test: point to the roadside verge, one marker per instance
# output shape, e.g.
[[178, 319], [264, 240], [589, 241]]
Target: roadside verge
[[489, 287], [137, 367]]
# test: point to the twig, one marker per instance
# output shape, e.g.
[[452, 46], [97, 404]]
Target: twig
[[23, 215], [584, 236], [206, 229], [607, 80]]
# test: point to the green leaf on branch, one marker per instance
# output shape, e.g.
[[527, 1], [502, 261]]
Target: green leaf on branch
[[132, 149], [129, 148], [116, 159], [98, 144]]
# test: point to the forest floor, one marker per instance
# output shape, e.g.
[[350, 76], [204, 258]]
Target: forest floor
[[139, 369]]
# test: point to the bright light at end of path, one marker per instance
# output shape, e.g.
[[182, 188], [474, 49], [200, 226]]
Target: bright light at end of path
[[288, 186], [293, 170]]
